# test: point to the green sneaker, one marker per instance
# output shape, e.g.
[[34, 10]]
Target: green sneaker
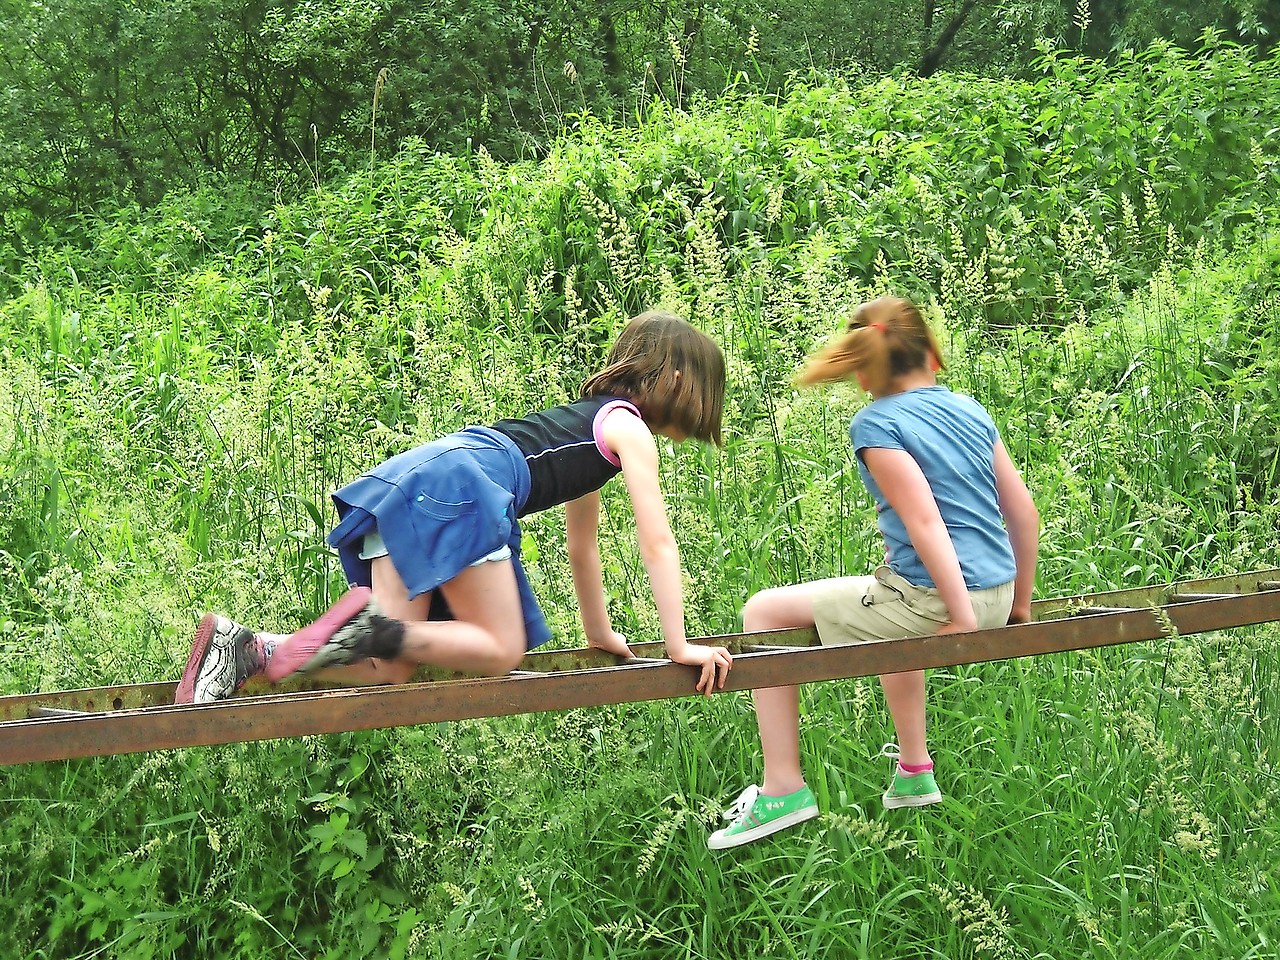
[[907, 789], [754, 816]]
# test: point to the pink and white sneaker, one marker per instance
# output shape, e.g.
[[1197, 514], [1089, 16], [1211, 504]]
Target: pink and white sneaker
[[223, 656], [330, 641]]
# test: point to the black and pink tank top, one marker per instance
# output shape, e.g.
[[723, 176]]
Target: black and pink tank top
[[566, 455]]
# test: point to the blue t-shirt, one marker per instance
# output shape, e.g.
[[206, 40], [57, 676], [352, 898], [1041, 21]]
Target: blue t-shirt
[[953, 440]]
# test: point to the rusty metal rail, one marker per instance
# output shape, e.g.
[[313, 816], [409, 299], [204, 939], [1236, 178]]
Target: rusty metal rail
[[131, 718]]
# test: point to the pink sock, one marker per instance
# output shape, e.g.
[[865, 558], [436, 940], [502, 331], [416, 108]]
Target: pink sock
[[911, 769]]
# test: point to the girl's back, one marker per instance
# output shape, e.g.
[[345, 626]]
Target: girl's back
[[952, 438]]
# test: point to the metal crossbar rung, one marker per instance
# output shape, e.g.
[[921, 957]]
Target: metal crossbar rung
[[1085, 611], [1190, 597], [553, 668], [768, 647]]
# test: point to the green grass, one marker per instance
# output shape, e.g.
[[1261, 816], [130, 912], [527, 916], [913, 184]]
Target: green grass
[[173, 416], [1094, 801]]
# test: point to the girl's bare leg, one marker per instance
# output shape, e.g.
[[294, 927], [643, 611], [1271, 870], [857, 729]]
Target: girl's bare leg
[[486, 637], [904, 693], [778, 708], [778, 717]]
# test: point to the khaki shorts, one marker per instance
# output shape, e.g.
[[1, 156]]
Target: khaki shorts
[[887, 607]]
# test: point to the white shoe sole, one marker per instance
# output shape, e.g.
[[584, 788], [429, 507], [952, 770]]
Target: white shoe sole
[[719, 840], [924, 800]]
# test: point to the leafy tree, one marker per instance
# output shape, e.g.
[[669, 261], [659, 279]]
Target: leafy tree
[[1137, 23], [124, 100]]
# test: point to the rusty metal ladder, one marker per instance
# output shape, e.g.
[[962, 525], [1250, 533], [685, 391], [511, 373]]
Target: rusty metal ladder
[[131, 718]]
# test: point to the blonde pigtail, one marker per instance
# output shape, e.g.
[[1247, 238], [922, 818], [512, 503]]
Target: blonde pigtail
[[884, 339], [859, 350]]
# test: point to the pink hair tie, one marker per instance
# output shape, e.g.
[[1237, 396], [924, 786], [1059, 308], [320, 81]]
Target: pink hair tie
[[876, 325]]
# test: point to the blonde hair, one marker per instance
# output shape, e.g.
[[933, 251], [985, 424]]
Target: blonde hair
[[673, 372], [883, 339]]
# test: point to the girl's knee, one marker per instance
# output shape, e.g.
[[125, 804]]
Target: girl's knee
[[758, 613], [510, 653], [780, 608], [495, 652]]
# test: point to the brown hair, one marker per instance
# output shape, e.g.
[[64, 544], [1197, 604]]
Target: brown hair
[[883, 339], [671, 371]]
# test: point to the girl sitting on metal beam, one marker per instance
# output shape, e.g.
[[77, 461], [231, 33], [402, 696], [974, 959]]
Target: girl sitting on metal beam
[[960, 531]]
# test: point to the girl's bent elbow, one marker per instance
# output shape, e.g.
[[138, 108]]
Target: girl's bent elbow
[[659, 549], [578, 556], [1021, 510], [1033, 515]]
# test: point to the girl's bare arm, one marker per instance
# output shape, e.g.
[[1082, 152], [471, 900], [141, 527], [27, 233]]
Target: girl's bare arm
[[904, 485], [630, 439], [582, 524], [1022, 520]]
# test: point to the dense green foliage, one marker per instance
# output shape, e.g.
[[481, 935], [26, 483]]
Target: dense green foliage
[[103, 102], [178, 394]]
